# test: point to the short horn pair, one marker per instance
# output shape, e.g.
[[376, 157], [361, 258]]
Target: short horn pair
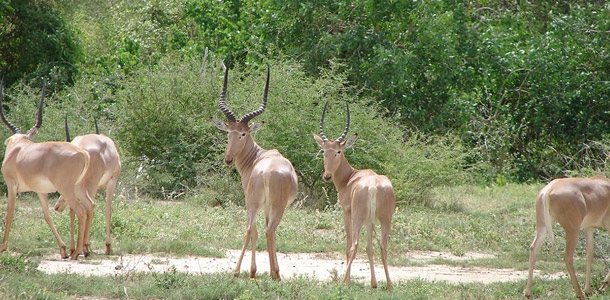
[[340, 139], [97, 130], [249, 116]]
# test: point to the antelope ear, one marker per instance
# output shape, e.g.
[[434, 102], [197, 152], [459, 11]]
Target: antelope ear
[[256, 126], [350, 141], [219, 124], [318, 139]]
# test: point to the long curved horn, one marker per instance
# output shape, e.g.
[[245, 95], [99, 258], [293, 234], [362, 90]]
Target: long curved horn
[[97, 129], [10, 125], [261, 109], [340, 139], [66, 127], [39, 120], [223, 96], [322, 123]]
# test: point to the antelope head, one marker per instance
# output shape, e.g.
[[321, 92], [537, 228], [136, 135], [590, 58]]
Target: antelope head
[[239, 132], [17, 135], [333, 150]]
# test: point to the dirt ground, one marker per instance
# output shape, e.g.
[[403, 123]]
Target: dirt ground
[[313, 265]]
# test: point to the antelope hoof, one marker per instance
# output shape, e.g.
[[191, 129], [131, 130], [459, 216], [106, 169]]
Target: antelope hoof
[[253, 274], [236, 274], [108, 249], [62, 252], [3, 248], [373, 284], [74, 255], [276, 276], [389, 287]]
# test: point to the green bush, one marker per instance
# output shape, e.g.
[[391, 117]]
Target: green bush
[[162, 121], [36, 40]]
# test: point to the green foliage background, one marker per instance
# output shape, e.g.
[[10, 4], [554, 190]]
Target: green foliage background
[[442, 92]]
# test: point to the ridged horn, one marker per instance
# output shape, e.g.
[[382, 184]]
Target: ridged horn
[[10, 125], [223, 96], [340, 139], [97, 129], [34, 129], [322, 123], [66, 128], [261, 109]]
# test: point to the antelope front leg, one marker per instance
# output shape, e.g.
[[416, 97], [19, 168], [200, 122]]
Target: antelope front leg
[[357, 226], [347, 222], [44, 202], [251, 218], [589, 242], [253, 241], [109, 193], [89, 208], [72, 216], [81, 213], [10, 211], [568, 258]]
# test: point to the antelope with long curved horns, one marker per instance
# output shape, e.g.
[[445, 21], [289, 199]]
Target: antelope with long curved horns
[[45, 168], [103, 173], [366, 198], [268, 179]]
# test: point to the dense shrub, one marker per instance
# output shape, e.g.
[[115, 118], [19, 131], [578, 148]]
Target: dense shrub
[[163, 120], [36, 40], [517, 81]]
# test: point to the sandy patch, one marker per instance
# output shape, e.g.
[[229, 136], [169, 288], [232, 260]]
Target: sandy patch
[[313, 265], [424, 256]]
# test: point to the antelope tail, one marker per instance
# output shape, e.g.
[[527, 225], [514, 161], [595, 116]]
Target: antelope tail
[[85, 169], [545, 219], [373, 203]]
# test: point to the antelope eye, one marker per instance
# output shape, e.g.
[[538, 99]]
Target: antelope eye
[[243, 134], [339, 152]]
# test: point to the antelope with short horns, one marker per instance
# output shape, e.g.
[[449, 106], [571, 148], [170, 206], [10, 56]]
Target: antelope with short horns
[[574, 203], [103, 173], [268, 179], [366, 198], [45, 168]]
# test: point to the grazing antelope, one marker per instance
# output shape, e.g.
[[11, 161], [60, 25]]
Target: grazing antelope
[[103, 173], [45, 168], [575, 203], [268, 179], [365, 198]]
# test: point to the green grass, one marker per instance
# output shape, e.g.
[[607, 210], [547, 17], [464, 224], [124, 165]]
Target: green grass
[[175, 285], [498, 220]]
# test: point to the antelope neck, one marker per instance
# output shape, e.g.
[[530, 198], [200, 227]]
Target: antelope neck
[[343, 173], [244, 160]]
